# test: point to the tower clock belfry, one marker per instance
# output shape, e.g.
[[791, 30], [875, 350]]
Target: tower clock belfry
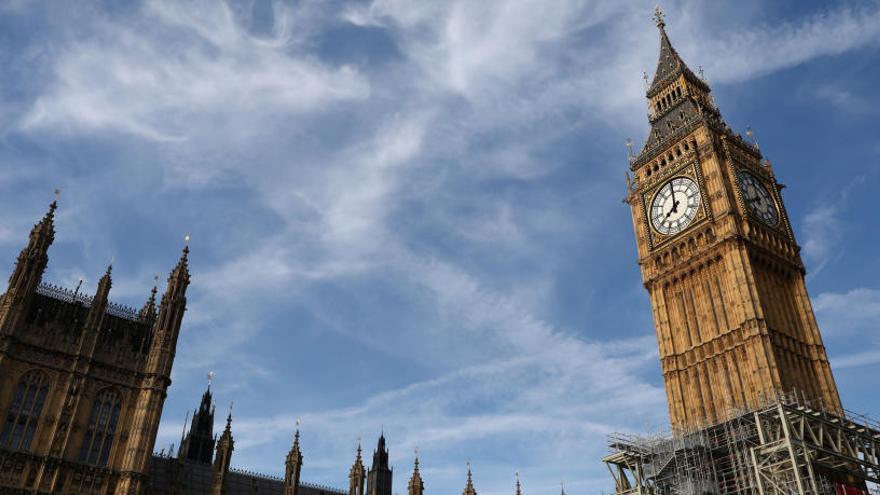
[[719, 260]]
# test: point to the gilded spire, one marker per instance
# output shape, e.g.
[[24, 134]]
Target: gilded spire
[[469, 487], [416, 486], [356, 474]]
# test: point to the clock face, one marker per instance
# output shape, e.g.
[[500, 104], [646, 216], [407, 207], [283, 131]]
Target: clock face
[[675, 205], [757, 198]]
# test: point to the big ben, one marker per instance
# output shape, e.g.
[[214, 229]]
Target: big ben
[[719, 260]]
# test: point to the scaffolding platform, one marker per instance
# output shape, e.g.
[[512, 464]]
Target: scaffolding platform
[[784, 447]]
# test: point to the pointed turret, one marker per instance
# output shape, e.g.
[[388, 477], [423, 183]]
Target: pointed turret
[[293, 466], [469, 486], [225, 446], [198, 445], [99, 302], [357, 475], [148, 312], [518, 486], [28, 271], [167, 326], [416, 486], [380, 475]]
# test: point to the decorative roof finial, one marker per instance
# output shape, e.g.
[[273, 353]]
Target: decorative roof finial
[[659, 17], [751, 134], [629, 149], [210, 378], [700, 71]]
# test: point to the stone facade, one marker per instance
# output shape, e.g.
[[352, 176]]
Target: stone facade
[[82, 380], [719, 261]]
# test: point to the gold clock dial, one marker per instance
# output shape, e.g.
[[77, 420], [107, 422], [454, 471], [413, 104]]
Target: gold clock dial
[[675, 205], [757, 198]]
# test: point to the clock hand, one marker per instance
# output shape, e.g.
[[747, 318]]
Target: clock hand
[[674, 206], [674, 202]]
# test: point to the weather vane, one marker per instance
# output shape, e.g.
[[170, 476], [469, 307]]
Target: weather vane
[[659, 17], [751, 134], [57, 193], [298, 422], [210, 378]]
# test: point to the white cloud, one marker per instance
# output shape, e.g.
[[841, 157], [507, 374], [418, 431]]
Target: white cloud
[[845, 314], [849, 323], [756, 50], [180, 68]]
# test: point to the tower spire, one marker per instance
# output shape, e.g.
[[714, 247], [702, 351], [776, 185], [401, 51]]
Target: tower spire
[[670, 63], [225, 446], [416, 486], [198, 445], [678, 99], [99, 302], [379, 479], [518, 486], [293, 465], [148, 312], [356, 477], [469, 486], [28, 271]]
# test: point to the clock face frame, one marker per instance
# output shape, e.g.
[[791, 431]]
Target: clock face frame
[[757, 199], [675, 205]]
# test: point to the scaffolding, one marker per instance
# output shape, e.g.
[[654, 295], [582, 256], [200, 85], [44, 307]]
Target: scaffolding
[[784, 447]]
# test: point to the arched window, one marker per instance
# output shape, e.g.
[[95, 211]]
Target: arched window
[[24, 411], [98, 440]]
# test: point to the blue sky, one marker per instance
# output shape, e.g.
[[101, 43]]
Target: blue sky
[[409, 213]]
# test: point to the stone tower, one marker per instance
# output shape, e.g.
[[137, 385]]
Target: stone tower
[[379, 477], [198, 445], [719, 260], [82, 380]]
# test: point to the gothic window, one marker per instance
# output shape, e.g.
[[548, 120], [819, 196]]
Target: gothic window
[[98, 440], [24, 411]]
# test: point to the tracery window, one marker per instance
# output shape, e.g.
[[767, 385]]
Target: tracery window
[[98, 440], [24, 411]]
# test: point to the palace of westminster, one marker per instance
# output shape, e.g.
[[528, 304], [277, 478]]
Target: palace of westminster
[[752, 400]]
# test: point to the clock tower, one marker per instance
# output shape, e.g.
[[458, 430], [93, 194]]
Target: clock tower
[[719, 260]]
